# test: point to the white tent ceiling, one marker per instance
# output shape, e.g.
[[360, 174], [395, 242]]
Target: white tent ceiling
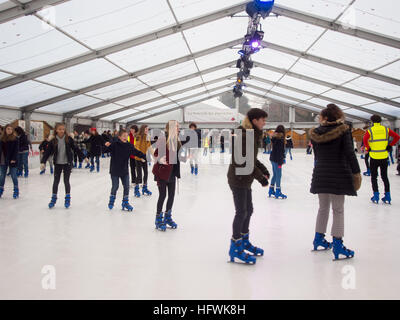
[[128, 60]]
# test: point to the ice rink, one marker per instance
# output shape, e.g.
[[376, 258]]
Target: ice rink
[[103, 254]]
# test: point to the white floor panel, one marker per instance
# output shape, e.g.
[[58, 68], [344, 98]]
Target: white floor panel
[[102, 254]]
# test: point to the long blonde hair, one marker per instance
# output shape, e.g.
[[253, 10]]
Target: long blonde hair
[[172, 135], [66, 135]]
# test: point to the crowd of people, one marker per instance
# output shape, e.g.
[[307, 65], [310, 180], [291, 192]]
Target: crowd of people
[[336, 169]]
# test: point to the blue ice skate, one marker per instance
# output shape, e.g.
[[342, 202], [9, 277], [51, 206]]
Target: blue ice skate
[[320, 241], [375, 198], [168, 220], [387, 199], [126, 205], [67, 202], [236, 251], [111, 203], [249, 247], [340, 249], [160, 223], [53, 201]]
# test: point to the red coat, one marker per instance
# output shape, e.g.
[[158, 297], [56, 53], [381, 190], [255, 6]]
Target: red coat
[[132, 142]]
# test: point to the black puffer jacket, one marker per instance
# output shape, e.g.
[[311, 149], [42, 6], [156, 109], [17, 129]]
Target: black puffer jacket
[[23, 143], [336, 161], [289, 143], [278, 148], [10, 150], [259, 170], [96, 143]]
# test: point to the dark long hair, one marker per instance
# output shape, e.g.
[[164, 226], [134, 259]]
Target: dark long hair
[[8, 137]]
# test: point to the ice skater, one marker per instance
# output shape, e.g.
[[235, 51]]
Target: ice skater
[[277, 158], [289, 146], [376, 141], [132, 162], [244, 168], [24, 145], [61, 147], [143, 144], [167, 172], [121, 151], [194, 149], [42, 148], [96, 143], [8, 158], [336, 174]]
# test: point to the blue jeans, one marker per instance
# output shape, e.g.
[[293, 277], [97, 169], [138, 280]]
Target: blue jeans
[[115, 185], [3, 172], [23, 162], [290, 152], [97, 161], [277, 175]]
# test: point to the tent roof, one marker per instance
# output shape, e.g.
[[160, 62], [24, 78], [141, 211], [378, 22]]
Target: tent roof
[[128, 60]]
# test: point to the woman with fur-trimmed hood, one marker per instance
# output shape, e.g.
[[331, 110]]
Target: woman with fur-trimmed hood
[[336, 175], [277, 158], [244, 168]]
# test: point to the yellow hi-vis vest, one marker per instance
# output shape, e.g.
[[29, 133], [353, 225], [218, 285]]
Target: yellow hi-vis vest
[[378, 142]]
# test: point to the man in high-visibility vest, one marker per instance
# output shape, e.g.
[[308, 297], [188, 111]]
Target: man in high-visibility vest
[[376, 140]]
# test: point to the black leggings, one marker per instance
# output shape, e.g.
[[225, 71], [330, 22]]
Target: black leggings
[[162, 189], [243, 201], [139, 177], [58, 169], [383, 164], [367, 161], [132, 163]]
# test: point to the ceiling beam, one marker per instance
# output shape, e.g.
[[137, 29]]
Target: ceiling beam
[[311, 104], [328, 84], [133, 75], [168, 104], [335, 26], [101, 53], [143, 103], [182, 106], [331, 63], [27, 8], [311, 94], [152, 88]]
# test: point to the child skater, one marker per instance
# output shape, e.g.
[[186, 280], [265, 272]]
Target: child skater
[[96, 142], [61, 147], [8, 158], [121, 151], [143, 144], [277, 159], [42, 148]]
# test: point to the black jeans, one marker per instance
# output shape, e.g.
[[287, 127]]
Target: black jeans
[[141, 166], [383, 164], [367, 161], [115, 185], [243, 201], [162, 189], [58, 169], [132, 163]]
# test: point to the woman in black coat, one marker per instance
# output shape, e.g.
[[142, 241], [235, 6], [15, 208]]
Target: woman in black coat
[[336, 174], [8, 158], [277, 160]]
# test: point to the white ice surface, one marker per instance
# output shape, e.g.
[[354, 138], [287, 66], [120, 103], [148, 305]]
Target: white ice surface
[[98, 254]]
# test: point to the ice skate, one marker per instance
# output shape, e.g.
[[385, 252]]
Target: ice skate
[[126, 205], [249, 247], [160, 224], [111, 203], [67, 203], [53, 201], [340, 249], [168, 220], [387, 199], [320, 241], [375, 198], [236, 251]]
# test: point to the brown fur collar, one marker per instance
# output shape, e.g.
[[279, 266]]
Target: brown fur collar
[[328, 136], [246, 124], [278, 135]]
